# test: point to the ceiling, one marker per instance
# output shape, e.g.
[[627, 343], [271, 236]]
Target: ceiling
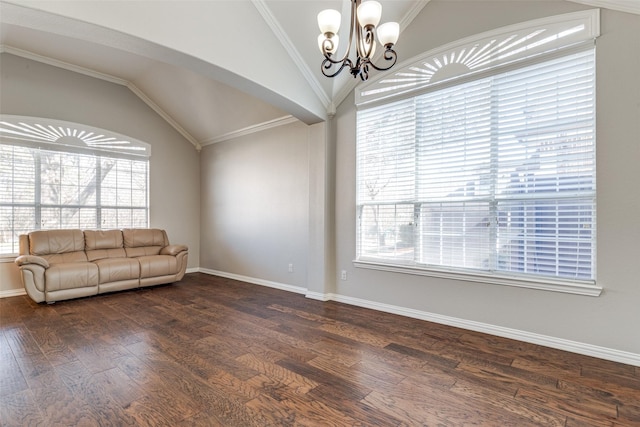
[[190, 71]]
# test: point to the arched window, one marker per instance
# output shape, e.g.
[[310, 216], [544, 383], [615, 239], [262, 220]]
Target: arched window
[[56, 174]]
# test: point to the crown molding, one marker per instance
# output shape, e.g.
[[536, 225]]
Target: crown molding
[[289, 47], [155, 107], [61, 64], [629, 6], [105, 77], [280, 121]]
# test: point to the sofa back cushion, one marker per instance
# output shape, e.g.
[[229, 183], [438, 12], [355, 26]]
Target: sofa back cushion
[[100, 244], [58, 245], [144, 241]]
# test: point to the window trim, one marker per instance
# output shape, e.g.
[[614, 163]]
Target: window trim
[[368, 97], [546, 284]]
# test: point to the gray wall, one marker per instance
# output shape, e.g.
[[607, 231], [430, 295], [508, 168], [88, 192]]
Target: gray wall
[[32, 88], [610, 320], [255, 205]]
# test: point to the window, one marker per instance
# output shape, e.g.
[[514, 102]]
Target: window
[[492, 176], [58, 185]]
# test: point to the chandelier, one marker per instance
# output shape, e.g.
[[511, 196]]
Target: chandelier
[[365, 16]]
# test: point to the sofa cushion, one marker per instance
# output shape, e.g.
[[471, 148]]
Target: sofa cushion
[[71, 275], [101, 244], [137, 237], [157, 265], [141, 242], [102, 239], [45, 242], [117, 269]]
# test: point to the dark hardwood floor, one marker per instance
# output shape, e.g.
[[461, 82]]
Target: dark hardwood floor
[[216, 352]]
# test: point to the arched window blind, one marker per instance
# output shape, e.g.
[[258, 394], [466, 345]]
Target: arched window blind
[[494, 176]]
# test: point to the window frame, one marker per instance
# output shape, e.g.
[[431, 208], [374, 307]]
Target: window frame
[[379, 93]]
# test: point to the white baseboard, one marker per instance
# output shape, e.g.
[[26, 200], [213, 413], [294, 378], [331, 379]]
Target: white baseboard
[[320, 297], [192, 270], [12, 293], [529, 337], [276, 285]]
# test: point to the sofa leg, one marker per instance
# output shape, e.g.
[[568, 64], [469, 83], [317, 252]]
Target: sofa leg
[[50, 302]]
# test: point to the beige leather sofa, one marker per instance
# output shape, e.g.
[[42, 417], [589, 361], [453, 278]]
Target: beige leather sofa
[[63, 264]]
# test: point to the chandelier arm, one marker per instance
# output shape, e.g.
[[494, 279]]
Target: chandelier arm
[[328, 63], [366, 41], [389, 55]]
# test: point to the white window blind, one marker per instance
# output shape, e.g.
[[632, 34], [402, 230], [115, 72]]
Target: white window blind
[[495, 175]]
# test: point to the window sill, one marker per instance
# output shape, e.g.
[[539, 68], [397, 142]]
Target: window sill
[[565, 286], [7, 258]]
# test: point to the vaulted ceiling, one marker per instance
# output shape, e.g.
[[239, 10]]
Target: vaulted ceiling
[[213, 69]]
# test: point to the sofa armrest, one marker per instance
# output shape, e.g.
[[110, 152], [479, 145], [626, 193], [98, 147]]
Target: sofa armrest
[[173, 250], [31, 259], [32, 270]]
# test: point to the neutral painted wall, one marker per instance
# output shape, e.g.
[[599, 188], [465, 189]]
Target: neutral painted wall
[[609, 321], [255, 205], [31, 88]]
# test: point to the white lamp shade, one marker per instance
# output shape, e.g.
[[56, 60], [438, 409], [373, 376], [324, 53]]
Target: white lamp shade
[[388, 33], [335, 39], [329, 21], [369, 13]]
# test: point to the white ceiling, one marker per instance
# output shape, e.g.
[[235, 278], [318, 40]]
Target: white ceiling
[[198, 77]]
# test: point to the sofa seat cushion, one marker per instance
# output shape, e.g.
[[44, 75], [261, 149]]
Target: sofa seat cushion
[[117, 269], [106, 253], [157, 265], [66, 258], [143, 251], [71, 275]]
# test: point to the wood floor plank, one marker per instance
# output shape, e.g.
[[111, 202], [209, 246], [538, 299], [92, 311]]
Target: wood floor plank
[[298, 383], [571, 405], [419, 409], [505, 403], [507, 377], [104, 409], [19, 410], [58, 405], [52, 344], [211, 351], [11, 378], [357, 374]]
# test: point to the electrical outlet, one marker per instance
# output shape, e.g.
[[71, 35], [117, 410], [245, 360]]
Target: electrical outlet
[[343, 275], [290, 268]]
